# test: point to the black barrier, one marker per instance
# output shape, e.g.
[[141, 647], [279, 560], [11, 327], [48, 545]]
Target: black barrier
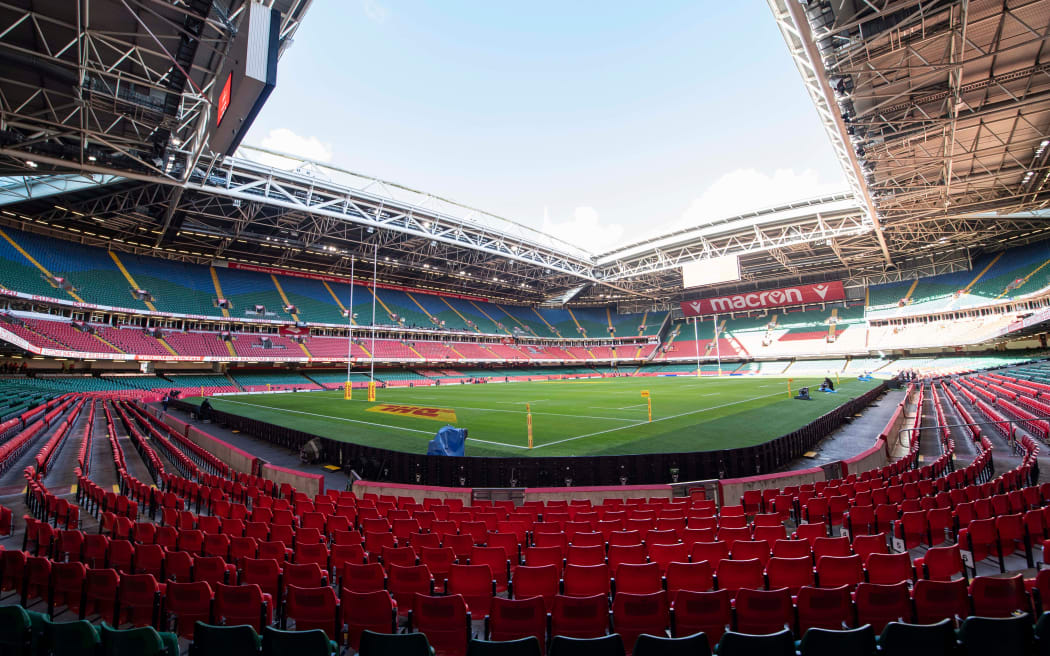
[[376, 464]]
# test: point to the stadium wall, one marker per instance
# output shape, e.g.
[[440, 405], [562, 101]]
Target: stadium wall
[[372, 463]]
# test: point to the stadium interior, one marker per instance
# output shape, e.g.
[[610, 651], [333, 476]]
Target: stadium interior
[[154, 274]]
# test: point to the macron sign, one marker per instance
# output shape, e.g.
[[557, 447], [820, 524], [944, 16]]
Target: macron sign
[[802, 294]]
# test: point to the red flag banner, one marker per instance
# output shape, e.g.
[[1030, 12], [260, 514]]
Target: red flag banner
[[295, 330], [800, 295]]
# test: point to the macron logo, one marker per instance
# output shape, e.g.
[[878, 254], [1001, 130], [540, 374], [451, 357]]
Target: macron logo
[[821, 290], [696, 305]]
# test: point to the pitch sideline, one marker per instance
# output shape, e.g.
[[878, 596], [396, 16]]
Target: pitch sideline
[[367, 423]]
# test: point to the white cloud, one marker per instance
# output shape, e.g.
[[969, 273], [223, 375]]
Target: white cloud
[[744, 190], [284, 140], [585, 230], [376, 11]]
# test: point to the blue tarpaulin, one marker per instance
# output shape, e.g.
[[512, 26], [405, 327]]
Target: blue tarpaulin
[[449, 441]]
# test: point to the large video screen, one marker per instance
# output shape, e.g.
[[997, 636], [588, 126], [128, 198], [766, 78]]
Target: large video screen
[[711, 271]]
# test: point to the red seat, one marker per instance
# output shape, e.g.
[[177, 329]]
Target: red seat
[[866, 545], [190, 540], [624, 538], [188, 603], [697, 577], [371, 611], [748, 549], [790, 573], [537, 556], [213, 570], [911, 528], [540, 581], [139, 596], [404, 582], [941, 563], [827, 608], [580, 617], [358, 577], [709, 612], [792, 549], [998, 597], [67, 586], [810, 532], [263, 572], [823, 546], [37, 579], [475, 584], [216, 545], [640, 578], [665, 554], [579, 555], [509, 542], [340, 554], [444, 620], [860, 520], [729, 535], [95, 549], [979, 538], [69, 544], [833, 571], [496, 559], [313, 608], [120, 555], [620, 554], [512, 619], [764, 611], [879, 605], [304, 575], [586, 580], [712, 552], [937, 600], [100, 593], [275, 550], [243, 604], [402, 556], [887, 569], [769, 534], [635, 614], [736, 574]]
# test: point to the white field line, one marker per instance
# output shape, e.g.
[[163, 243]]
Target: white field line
[[367, 423], [636, 405], [642, 423], [465, 407], [519, 402], [548, 414]]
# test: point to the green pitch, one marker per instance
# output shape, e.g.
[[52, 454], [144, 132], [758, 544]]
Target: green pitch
[[580, 417]]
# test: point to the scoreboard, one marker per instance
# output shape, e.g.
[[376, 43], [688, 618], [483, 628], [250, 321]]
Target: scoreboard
[[246, 78]]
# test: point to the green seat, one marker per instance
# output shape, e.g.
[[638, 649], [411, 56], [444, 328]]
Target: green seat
[[1042, 634], [744, 644], [301, 643], [901, 639], [990, 635], [140, 641], [15, 631], [607, 645], [38, 622], [390, 644], [211, 640], [76, 638], [828, 642], [527, 646], [692, 645]]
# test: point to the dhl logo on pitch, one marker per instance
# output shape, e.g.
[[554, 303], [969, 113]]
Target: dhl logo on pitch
[[437, 414]]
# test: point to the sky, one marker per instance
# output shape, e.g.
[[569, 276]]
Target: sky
[[600, 123]]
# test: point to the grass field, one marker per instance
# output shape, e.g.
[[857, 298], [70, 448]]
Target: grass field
[[572, 417]]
